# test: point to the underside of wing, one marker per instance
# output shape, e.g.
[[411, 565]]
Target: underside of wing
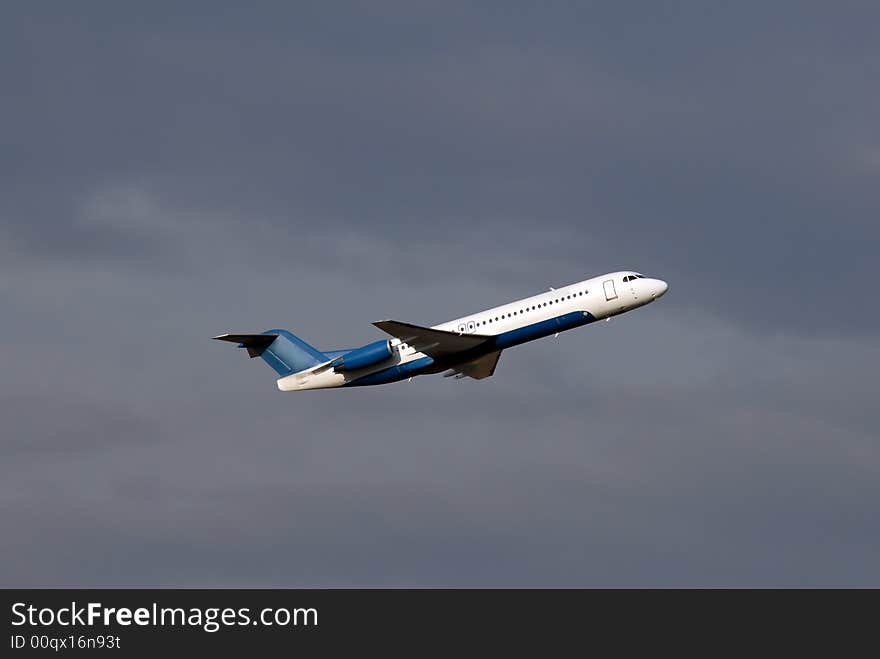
[[432, 342], [480, 368]]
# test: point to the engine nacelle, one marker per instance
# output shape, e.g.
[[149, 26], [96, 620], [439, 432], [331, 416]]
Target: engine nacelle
[[367, 355]]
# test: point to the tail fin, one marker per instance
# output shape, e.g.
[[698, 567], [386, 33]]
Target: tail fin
[[280, 349]]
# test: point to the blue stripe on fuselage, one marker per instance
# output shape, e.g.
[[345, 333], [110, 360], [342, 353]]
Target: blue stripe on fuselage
[[501, 341], [541, 329], [393, 374]]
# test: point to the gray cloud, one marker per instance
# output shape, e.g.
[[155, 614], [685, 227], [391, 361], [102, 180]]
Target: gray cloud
[[167, 176]]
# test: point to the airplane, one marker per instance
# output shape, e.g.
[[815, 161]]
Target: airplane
[[465, 347]]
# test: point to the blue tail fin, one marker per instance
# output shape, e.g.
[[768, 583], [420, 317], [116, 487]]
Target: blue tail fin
[[280, 349]]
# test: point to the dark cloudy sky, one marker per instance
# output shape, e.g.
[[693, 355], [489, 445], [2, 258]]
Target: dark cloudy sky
[[179, 170]]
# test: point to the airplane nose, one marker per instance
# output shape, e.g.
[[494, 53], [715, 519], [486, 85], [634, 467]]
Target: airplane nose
[[659, 289]]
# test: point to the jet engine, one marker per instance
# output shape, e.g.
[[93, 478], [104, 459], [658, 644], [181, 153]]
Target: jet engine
[[367, 355]]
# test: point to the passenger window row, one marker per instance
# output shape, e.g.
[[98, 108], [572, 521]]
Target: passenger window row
[[532, 308]]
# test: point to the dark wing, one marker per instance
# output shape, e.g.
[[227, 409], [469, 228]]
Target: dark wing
[[432, 342]]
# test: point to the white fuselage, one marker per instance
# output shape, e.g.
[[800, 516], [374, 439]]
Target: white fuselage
[[594, 299]]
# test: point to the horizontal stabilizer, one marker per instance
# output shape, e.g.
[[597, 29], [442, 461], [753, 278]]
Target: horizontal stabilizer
[[255, 343], [282, 350], [434, 343]]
